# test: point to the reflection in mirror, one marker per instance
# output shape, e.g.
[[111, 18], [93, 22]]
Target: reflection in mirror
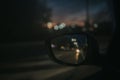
[[70, 49]]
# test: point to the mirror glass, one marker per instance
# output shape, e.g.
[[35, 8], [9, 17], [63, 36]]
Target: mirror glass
[[70, 49]]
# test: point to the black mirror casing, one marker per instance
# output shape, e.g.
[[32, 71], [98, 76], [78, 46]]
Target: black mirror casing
[[92, 55]]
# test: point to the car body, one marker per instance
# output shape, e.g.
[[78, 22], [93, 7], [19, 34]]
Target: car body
[[24, 48]]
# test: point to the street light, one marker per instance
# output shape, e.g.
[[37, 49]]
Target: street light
[[49, 25]]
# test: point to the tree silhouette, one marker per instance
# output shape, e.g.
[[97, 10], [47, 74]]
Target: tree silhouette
[[43, 12], [23, 19]]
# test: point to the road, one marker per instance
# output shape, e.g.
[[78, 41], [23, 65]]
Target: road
[[45, 70], [40, 67]]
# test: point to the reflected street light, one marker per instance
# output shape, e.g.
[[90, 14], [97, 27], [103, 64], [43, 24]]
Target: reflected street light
[[49, 25]]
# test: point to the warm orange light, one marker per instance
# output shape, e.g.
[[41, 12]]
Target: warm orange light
[[77, 51], [49, 25]]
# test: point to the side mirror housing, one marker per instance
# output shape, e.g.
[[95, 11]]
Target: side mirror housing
[[74, 49]]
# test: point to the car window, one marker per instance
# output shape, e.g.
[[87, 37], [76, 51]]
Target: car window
[[23, 53]]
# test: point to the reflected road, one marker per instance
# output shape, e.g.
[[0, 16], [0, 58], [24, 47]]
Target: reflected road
[[70, 56]]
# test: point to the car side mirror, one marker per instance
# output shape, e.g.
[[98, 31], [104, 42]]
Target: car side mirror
[[70, 49]]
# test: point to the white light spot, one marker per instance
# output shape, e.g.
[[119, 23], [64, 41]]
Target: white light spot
[[73, 39], [61, 26], [95, 25], [62, 47], [52, 45], [75, 43], [56, 28]]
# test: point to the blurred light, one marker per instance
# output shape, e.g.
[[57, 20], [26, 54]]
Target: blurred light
[[52, 45], [62, 47], [95, 25], [77, 51], [56, 28], [61, 26], [77, 56], [73, 39], [75, 43], [49, 25]]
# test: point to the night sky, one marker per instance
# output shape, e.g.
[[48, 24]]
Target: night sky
[[74, 11]]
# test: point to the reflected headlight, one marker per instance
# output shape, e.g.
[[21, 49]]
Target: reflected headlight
[[77, 50]]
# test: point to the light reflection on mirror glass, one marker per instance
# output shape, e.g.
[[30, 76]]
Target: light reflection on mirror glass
[[70, 48]]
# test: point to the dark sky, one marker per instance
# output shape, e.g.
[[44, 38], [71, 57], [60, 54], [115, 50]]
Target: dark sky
[[74, 11]]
